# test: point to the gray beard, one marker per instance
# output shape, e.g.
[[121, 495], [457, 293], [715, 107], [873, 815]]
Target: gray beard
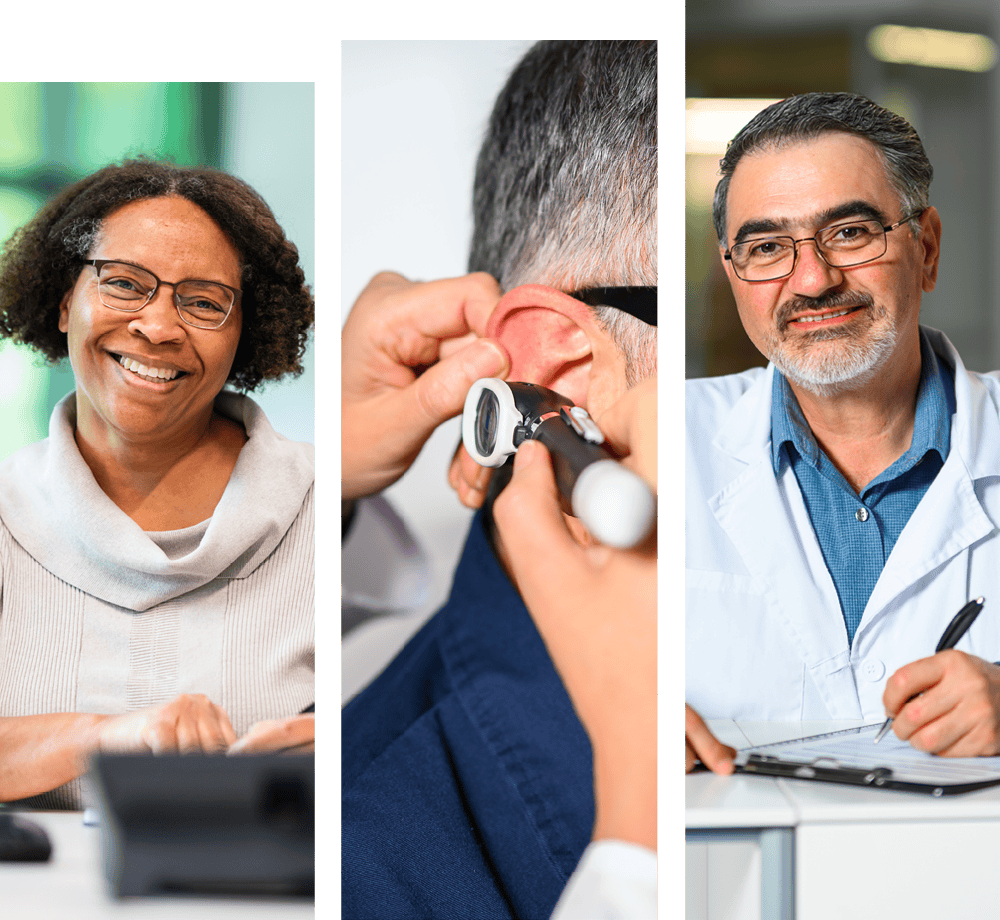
[[863, 352]]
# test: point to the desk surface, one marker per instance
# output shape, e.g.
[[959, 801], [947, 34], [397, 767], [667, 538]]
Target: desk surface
[[72, 885], [871, 837], [760, 801]]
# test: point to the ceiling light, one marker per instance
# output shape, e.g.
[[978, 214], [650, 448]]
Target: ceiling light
[[713, 123], [932, 48]]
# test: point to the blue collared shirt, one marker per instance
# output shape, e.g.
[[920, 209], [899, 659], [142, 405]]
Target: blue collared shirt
[[857, 532]]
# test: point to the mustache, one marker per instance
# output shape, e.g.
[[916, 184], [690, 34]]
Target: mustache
[[836, 300]]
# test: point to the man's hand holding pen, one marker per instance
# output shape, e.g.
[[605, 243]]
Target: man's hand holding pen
[[947, 704]]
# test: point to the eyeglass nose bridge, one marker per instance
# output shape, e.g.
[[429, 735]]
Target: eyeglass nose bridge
[[156, 289], [139, 312], [819, 251], [150, 294]]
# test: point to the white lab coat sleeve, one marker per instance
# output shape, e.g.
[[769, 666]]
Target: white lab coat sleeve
[[614, 880]]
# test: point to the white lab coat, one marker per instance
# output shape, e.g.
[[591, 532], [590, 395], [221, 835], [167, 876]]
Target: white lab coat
[[765, 635]]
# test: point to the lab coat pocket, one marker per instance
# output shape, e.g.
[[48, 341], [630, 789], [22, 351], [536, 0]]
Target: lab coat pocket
[[739, 660]]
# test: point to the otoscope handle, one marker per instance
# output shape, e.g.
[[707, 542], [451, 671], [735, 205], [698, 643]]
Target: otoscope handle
[[570, 453], [616, 505]]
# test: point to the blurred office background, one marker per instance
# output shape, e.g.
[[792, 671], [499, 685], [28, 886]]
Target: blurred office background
[[934, 64], [52, 134], [412, 119]]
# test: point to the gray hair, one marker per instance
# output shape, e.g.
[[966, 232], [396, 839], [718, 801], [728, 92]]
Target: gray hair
[[809, 115], [565, 185]]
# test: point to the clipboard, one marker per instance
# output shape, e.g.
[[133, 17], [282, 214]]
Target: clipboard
[[850, 757]]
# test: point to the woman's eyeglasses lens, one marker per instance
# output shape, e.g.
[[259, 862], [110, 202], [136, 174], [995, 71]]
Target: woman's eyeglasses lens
[[129, 288]]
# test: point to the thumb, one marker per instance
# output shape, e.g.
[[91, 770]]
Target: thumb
[[532, 527], [438, 394]]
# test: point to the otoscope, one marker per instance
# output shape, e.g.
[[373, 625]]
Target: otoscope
[[615, 504]]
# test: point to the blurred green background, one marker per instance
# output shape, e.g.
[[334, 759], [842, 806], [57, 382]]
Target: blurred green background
[[52, 134]]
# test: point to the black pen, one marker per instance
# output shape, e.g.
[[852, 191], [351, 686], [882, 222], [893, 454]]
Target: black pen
[[956, 629]]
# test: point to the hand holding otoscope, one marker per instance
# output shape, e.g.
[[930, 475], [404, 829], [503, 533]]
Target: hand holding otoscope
[[614, 503], [595, 608]]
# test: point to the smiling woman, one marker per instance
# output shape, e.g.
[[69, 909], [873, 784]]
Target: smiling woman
[[156, 553]]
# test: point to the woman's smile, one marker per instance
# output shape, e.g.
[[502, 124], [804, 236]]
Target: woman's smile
[[127, 361]]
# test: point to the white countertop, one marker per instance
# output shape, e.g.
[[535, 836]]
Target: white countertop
[[72, 885]]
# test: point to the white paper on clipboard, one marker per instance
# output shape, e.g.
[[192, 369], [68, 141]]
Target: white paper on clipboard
[[854, 749]]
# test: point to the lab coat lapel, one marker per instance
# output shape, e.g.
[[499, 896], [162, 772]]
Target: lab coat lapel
[[767, 521], [950, 518]]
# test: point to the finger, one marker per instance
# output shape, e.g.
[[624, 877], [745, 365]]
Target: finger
[[446, 308], [448, 347], [918, 715], [469, 480], [215, 732], [470, 496], [959, 715], [941, 733], [629, 425], [980, 740], [916, 677], [715, 755], [255, 740], [277, 735], [690, 758], [226, 727], [187, 733], [616, 421], [532, 527], [963, 746], [439, 393]]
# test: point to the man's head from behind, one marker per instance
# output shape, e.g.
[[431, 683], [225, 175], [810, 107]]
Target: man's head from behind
[[827, 239], [565, 200]]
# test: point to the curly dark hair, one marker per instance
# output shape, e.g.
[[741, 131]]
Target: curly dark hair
[[41, 261]]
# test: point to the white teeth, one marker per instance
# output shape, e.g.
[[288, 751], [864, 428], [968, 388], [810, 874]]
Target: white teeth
[[153, 373], [817, 319]]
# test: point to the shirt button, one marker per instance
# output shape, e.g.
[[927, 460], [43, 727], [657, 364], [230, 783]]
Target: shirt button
[[861, 514], [873, 669]]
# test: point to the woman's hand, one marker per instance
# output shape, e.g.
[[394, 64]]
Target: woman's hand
[[296, 735], [410, 353], [191, 723], [596, 610]]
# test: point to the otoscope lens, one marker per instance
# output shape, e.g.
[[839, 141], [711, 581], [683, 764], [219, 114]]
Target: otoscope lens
[[486, 422]]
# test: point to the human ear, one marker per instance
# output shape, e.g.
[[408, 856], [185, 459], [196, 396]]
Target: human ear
[[550, 337], [930, 242], [64, 312], [555, 341]]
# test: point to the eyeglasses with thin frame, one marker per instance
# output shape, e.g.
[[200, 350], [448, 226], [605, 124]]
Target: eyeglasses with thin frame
[[128, 288], [840, 245]]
